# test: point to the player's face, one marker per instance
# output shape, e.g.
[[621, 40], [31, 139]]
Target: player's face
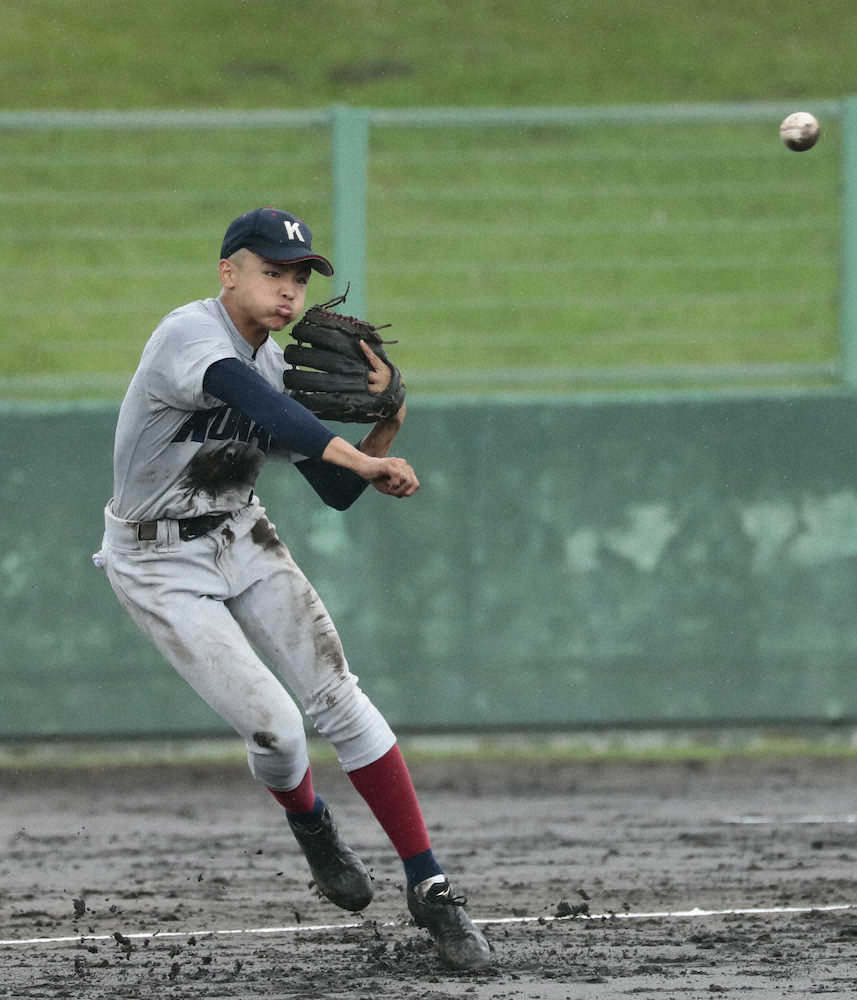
[[264, 295]]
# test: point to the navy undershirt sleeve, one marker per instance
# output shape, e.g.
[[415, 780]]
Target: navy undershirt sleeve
[[338, 487], [293, 427]]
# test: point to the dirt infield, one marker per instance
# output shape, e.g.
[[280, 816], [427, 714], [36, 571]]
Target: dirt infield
[[564, 859]]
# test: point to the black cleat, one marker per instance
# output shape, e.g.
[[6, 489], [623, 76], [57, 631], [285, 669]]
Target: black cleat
[[459, 943], [339, 874]]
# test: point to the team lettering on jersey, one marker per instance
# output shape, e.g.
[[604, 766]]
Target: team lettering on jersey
[[223, 424]]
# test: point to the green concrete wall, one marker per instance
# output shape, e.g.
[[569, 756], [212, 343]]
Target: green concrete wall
[[567, 562]]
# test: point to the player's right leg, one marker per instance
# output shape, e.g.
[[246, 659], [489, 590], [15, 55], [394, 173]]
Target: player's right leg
[[207, 648], [177, 598]]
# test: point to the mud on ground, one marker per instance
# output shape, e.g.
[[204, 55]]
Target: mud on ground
[[102, 854]]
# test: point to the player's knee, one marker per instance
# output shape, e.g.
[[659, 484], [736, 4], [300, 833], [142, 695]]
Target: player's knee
[[338, 704], [278, 760], [343, 714]]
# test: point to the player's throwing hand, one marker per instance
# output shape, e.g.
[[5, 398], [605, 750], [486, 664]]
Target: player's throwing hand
[[393, 476]]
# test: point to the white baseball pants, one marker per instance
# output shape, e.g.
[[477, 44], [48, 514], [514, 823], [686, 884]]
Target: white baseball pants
[[237, 618]]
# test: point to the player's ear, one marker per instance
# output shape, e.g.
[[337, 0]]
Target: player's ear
[[228, 273]]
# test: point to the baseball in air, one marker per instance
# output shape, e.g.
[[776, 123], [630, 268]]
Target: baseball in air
[[800, 131]]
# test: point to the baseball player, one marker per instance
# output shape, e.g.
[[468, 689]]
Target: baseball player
[[194, 559]]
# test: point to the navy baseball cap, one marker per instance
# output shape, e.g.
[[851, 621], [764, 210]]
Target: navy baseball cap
[[276, 236]]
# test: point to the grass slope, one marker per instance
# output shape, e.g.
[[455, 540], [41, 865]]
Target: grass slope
[[491, 250], [265, 53]]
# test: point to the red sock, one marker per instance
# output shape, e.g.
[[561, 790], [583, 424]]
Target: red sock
[[300, 799], [386, 786]]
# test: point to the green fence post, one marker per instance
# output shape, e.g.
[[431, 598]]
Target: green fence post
[[350, 152], [848, 245]]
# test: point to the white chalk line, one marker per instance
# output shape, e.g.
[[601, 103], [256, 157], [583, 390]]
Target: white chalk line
[[695, 912], [810, 819]]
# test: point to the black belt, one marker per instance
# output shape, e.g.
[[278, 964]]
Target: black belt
[[189, 527]]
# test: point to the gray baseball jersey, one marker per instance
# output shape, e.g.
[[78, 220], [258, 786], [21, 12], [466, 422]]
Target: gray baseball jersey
[[178, 451]]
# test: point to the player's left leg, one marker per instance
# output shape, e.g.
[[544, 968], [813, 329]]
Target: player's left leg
[[387, 787], [286, 621]]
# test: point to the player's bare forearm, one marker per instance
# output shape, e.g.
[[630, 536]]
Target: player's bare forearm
[[340, 452], [379, 440], [392, 476]]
